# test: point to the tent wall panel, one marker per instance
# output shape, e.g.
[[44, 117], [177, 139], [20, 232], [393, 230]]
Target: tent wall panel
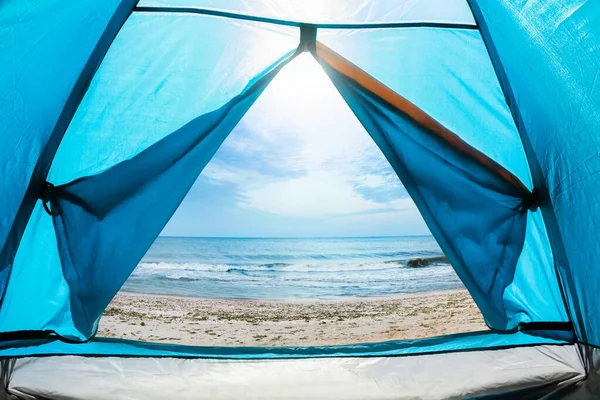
[[48, 51], [547, 55], [436, 168], [103, 235], [448, 74], [122, 115], [31, 303]]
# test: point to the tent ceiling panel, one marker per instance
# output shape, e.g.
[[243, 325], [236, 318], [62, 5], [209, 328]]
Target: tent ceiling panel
[[337, 11], [161, 72]]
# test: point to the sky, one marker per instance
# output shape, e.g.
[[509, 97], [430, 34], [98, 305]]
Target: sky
[[299, 164]]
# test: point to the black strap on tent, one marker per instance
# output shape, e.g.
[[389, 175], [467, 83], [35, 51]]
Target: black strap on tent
[[24, 335], [546, 326], [38, 335]]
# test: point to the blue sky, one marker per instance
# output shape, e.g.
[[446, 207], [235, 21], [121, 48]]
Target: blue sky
[[298, 164]]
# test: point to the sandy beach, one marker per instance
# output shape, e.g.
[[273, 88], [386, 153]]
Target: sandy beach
[[209, 322]]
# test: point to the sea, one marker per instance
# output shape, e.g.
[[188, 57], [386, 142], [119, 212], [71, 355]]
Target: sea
[[289, 269]]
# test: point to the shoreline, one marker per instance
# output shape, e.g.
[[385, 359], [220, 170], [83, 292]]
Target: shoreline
[[298, 301], [229, 322]]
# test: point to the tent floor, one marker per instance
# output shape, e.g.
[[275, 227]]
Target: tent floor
[[530, 371]]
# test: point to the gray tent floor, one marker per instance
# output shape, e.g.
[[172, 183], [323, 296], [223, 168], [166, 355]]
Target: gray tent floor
[[535, 369]]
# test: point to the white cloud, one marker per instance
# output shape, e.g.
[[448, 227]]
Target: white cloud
[[319, 192], [219, 174], [402, 204]]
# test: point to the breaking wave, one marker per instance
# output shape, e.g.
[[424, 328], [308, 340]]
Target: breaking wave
[[153, 267], [292, 268]]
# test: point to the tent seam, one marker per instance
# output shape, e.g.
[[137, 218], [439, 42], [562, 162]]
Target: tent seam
[[284, 22]]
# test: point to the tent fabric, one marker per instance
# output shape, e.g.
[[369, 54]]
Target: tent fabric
[[80, 208], [547, 56], [49, 51], [162, 71], [449, 185], [472, 375], [448, 74], [118, 107], [445, 72], [103, 234], [121, 115], [29, 302]]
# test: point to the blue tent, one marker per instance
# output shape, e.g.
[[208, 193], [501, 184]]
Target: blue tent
[[488, 111]]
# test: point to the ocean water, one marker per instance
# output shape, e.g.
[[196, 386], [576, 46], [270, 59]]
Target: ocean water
[[292, 269]]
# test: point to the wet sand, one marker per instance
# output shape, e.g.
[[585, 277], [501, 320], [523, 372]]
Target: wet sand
[[210, 322]]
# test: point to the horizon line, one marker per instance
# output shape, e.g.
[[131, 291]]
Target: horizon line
[[293, 237]]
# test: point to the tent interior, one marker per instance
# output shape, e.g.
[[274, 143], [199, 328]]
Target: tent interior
[[486, 112]]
